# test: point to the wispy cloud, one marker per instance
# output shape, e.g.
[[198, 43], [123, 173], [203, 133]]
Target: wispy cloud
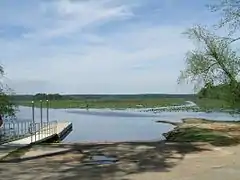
[[95, 46], [67, 17]]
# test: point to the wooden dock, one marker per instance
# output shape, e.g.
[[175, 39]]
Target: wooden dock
[[56, 131]]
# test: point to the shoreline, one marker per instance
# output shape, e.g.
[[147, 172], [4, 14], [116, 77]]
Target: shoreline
[[217, 133], [154, 110]]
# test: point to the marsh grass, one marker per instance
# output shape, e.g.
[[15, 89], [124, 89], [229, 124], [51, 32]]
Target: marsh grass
[[114, 104]]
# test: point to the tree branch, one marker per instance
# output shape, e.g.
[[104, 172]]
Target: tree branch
[[210, 67], [234, 40]]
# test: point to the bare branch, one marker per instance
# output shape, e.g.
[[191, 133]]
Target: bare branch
[[234, 40], [1, 70], [230, 12]]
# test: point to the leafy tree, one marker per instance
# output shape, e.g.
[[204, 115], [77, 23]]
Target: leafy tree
[[7, 108], [212, 62]]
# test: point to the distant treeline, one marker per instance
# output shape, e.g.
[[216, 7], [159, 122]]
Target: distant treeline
[[42, 96], [38, 96]]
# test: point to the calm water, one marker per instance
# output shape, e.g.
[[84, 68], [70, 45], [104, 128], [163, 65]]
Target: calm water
[[117, 125]]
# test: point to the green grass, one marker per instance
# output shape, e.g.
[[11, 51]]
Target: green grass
[[116, 104], [217, 133], [194, 134]]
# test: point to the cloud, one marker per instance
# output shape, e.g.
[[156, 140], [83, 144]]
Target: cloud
[[72, 16], [102, 46]]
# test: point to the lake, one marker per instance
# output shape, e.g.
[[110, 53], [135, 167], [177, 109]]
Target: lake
[[116, 125]]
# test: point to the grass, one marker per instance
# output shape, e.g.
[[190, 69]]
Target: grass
[[202, 130], [203, 135], [115, 104]]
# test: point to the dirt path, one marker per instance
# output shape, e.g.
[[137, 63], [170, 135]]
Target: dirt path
[[219, 164], [136, 161]]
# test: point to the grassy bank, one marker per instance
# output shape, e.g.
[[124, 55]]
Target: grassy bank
[[202, 130], [116, 104]]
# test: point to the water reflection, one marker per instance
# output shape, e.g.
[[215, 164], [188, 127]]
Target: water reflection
[[117, 125]]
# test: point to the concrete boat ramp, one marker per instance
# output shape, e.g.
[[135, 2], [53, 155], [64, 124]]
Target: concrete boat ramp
[[50, 132]]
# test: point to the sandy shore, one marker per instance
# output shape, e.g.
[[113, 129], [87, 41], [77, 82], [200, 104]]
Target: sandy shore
[[135, 161]]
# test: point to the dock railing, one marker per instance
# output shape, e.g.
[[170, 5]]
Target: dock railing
[[15, 130], [42, 130]]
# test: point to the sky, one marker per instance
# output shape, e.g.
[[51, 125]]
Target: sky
[[97, 46]]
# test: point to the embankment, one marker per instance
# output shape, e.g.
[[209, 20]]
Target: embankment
[[218, 133]]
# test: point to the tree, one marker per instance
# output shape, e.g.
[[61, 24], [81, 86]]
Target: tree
[[212, 62], [230, 13], [7, 108], [214, 92]]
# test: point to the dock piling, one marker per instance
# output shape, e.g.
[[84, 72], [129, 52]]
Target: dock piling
[[41, 113], [47, 111]]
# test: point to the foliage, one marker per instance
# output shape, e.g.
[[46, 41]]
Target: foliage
[[214, 92], [213, 62], [7, 108]]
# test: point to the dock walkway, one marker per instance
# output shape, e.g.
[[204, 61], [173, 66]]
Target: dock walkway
[[59, 130]]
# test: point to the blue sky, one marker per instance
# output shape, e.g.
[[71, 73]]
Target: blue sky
[[97, 46]]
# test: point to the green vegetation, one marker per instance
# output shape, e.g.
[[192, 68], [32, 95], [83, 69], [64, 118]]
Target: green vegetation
[[214, 67], [216, 97], [202, 130], [211, 104], [114, 103], [214, 64], [122, 101], [7, 108]]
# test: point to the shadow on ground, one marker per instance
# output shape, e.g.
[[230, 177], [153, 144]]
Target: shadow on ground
[[76, 163]]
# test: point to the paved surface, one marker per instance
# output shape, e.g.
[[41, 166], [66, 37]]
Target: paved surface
[[6, 149], [137, 161], [43, 151]]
